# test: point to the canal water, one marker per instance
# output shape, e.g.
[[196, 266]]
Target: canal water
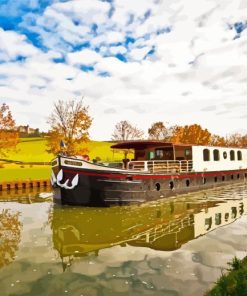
[[175, 246]]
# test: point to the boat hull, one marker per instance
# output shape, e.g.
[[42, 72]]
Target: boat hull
[[101, 188]]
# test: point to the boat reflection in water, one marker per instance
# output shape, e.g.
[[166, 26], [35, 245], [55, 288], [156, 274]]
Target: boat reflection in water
[[165, 225]]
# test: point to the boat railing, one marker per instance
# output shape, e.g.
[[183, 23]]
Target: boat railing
[[161, 166]]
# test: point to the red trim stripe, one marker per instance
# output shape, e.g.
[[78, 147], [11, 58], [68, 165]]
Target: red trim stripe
[[179, 176]]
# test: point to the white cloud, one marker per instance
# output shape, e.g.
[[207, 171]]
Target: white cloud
[[138, 54], [13, 45], [117, 49], [114, 37], [87, 10], [83, 57]]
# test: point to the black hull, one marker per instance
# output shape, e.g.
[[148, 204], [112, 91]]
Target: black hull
[[101, 188]]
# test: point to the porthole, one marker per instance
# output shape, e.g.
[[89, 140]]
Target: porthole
[[223, 178], [215, 179], [204, 180], [157, 186], [224, 154], [171, 185], [187, 182]]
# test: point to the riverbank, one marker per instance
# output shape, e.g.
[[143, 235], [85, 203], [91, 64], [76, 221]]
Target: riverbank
[[234, 282], [23, 184]]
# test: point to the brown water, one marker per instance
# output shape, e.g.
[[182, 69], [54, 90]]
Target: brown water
[[177, 246]]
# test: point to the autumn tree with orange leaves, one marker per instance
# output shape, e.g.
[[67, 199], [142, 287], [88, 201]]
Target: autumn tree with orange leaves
[[69, 122], [9, 137], [191, 134], [158, 131]]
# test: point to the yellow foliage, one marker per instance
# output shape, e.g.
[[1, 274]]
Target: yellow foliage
[[191, 134], [69, 122], [9, 138]]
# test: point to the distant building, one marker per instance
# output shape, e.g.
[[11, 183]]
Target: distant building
[[25, 130]]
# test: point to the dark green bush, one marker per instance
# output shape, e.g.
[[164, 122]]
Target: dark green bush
[[234, 283]]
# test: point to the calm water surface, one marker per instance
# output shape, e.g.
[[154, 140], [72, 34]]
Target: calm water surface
[[177, 246]]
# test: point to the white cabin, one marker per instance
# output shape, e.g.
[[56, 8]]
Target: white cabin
[[208, 158]]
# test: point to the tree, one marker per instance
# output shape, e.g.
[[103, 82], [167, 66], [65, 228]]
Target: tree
[[9, 137], [158, 131], [218, 141], [234, 140], [69, 122], [191, 134], [244, 141], [124, 131]]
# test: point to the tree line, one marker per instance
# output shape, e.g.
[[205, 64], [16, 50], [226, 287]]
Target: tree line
[[187, 134], [70, 121]]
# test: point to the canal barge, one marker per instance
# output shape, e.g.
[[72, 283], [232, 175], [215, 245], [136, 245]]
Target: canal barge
[[158, 170]]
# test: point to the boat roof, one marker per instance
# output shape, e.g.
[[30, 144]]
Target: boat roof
[[143, 144]]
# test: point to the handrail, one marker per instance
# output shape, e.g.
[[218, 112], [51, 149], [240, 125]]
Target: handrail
[[161, 166]]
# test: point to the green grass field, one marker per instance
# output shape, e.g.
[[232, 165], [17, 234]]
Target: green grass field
[[31, 149], [13, 172], [34, 150]]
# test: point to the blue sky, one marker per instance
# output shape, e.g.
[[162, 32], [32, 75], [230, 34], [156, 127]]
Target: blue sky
[[180, 62]]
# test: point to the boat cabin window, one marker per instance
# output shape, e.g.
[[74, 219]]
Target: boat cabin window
[[187, 152], [224, 154], [216, 154], [206, 155], [164, 153], [159, 153], [239, 153], [232, 155]]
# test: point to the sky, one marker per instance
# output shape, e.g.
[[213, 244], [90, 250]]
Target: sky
[[180, 62]]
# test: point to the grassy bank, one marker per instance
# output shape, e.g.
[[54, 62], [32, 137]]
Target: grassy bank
[[234, 283], [34, 150], [13, 172]]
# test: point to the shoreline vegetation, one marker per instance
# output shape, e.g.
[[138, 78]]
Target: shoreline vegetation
[[233, 283], [30, 161]]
